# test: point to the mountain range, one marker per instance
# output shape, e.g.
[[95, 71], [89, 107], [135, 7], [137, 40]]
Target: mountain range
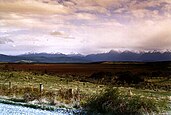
[[150, 56]]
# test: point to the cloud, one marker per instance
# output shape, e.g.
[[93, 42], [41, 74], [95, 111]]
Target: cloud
[[159, 36], [61, 34], [32, 6], [144, 35], [4, 40], [57, 33], [87, 26], [148, 35], [85, 16]]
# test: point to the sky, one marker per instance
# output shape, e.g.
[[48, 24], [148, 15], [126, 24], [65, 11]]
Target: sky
[[84, 26]]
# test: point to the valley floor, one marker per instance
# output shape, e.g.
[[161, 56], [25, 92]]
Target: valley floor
[[70, 91]]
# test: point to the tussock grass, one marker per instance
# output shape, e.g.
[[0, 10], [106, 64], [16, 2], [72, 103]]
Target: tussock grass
[[114, 102], [25, 85], [59, 91]]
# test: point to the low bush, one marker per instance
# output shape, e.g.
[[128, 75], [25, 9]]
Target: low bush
[[101, 75], [112, 101], [30, 97], [129, 78]]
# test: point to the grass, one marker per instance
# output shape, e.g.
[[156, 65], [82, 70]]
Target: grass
[[26, 85], [49, 82], [113, 101], [61, 92]]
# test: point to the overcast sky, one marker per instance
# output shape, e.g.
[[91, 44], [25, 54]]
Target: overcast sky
[[84, 26]]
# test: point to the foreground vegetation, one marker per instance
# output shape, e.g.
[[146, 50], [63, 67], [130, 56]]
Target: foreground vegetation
[[129, 92], [55, 90], [60, 92], [112, 101]]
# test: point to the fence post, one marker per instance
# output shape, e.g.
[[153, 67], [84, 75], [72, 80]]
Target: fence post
[[70, 93], [41, 88], [10, 85]]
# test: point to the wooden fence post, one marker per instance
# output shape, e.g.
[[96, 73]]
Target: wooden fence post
[[10, 85], [41, 89]]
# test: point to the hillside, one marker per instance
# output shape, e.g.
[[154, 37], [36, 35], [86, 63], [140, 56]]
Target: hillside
[[110, 56]]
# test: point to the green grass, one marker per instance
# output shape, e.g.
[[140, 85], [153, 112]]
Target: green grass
[[94, 97], [113, 101], [26, 85], [24, 79]]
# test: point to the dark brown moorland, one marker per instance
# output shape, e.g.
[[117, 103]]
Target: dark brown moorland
[[87, 69]]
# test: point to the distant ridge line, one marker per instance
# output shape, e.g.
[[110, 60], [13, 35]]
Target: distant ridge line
[[112, 56]]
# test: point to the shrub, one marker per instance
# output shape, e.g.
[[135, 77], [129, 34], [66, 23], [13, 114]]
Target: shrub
[[128, 77], [29, 97], [111, 101], [102, 77]]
